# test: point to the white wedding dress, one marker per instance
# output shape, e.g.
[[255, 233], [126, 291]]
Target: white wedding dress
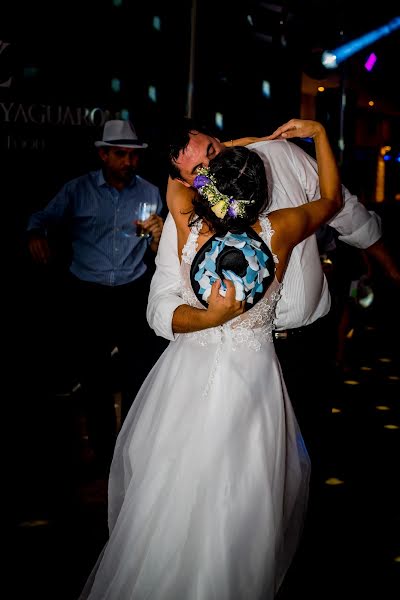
[[209, 481]]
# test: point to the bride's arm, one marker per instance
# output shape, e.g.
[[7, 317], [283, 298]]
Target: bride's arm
[[299, 223], [245, 141]]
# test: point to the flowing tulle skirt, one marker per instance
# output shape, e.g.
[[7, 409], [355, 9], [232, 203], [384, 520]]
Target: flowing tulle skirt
[[209, 481]]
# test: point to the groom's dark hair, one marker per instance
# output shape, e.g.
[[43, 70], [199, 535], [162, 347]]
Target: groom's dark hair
[[178, 137]]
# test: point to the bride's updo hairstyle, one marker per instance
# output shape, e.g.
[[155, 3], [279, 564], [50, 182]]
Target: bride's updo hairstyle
[[232, 191]]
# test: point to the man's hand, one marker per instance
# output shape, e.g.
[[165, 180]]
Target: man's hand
[[39, 249], [223, 308], [154, 225]]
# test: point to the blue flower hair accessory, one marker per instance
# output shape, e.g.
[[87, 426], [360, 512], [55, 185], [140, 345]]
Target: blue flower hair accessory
[[220, 203], [240, 257]]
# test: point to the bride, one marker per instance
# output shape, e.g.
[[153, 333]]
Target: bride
[[209, 481]]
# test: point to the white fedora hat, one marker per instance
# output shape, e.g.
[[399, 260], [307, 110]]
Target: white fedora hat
[[120, 133]]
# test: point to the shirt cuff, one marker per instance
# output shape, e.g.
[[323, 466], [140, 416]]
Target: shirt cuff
[[366, 235], [161, 321]]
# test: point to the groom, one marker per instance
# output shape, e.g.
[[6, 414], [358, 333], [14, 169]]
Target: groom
[[304, 335]]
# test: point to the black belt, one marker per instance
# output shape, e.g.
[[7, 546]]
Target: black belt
[[284, 334]]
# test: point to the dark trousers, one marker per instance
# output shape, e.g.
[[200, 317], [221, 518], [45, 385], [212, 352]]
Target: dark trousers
[[306, 356], [105, 318]]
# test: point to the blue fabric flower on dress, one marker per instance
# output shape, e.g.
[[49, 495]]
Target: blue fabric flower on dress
[[247, 285]]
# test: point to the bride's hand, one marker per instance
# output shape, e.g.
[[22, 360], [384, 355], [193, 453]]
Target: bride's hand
[[223, 308], [300, 128]]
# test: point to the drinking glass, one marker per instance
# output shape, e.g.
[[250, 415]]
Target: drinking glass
[[144, 211]]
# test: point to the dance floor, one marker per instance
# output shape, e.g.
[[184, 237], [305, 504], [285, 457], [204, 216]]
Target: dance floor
[[351, 545]]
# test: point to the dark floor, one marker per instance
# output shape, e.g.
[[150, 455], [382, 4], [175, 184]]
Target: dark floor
[[351, 547]]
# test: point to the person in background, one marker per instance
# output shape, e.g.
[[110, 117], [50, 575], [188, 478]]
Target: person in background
[[108, 278], [349, 273]]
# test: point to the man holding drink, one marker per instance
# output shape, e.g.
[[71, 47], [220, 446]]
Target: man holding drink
[[108, 280], [144, 222]]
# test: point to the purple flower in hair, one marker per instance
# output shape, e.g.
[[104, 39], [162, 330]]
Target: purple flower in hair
[[220, 203], [232, 212], [200, 181]]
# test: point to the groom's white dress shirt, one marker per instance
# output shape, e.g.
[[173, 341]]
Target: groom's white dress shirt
[[305, 297]]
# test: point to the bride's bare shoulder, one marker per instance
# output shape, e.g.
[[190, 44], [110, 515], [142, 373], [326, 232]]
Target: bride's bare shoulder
[[179, 202], [179, 197]]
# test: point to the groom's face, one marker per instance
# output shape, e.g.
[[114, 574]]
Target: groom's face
[[198, 153]]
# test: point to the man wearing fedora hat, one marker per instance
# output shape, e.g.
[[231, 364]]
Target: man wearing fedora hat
[[117, 133], [108, 277]]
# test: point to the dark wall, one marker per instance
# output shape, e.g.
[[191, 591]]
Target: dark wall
[[237, 48], [57, 62]]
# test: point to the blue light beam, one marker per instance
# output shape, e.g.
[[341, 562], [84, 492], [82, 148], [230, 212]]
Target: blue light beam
[[332, 58]]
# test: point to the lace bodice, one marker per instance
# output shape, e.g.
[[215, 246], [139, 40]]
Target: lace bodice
[[253, 327]]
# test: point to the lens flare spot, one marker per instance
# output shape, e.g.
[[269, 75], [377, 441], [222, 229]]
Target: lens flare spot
[[334, 481]]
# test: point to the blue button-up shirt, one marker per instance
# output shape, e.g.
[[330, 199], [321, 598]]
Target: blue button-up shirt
[[105, 248]]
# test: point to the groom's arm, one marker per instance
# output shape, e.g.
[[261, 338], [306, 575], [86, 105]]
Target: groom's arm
[[166, 310], [165, 288]]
